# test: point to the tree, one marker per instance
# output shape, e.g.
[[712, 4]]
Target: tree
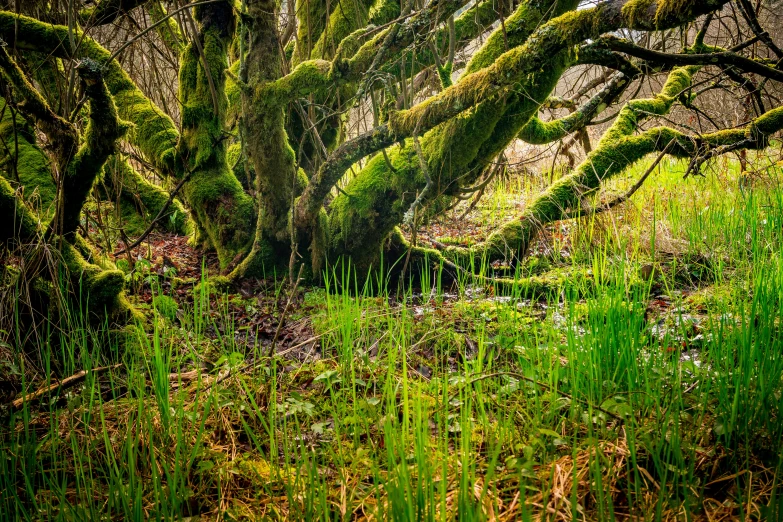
[[262, 139]]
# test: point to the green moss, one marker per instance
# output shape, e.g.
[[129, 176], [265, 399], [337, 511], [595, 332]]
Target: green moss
[[140, 201], [213, 285], [264, 259], [373, 204], [168, 31], [19, 222], [444, 75], [384, 11], [312, 19], [98, 287], [515, 30], [233, 94], [296, 84], [22, 158], [345, 18]]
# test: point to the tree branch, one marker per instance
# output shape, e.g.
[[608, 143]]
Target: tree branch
[[720, 58]]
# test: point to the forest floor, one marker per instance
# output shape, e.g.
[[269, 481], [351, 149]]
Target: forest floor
[[643, 383]]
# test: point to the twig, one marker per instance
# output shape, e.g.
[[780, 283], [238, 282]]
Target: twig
[[547, 387], [159, 22], [68, 382], [160, 215], [285, 311]]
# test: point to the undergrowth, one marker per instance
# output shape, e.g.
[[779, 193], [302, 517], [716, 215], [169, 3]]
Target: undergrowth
[[650, 388]]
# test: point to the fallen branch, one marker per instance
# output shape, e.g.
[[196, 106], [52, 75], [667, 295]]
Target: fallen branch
[[57, 387]]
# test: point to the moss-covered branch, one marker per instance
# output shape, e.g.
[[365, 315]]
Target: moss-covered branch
[[539, 132], [345, 18], [141, 201], [154, 133], [104, 128], [456, 153], [32, 105], [167, 30], [485, 110]]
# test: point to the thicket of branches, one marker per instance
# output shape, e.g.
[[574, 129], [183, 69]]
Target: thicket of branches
[[309, 132]]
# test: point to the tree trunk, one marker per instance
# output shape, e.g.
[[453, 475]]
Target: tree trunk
[[222, 210]]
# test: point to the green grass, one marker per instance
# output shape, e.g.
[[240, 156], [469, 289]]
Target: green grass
[[651, 388]]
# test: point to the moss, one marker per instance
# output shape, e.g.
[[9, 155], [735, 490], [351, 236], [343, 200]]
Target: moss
[[373, 204], [19, 222], [296, 84], [312, 19], [384, 11], [243, 170], [213, 285], [140, 201], [515, 30], [224, 211], [278, 180], [26, 161], [345, 18], [766, 124], [444, 75], [233, 94], [168, 31], [264, 259]]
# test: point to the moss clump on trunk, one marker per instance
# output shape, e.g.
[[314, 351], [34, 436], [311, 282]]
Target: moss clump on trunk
[[23, 162], [140, 201]]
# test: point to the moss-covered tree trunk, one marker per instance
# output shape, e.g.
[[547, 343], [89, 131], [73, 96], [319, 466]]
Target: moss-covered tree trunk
[[223, 212], [277, 178]]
